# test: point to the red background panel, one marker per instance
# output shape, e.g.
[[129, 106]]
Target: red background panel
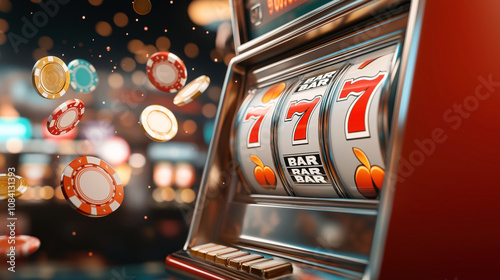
[[445, 221]]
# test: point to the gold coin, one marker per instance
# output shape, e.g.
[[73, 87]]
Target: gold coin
[[52, 77], [19, 183]]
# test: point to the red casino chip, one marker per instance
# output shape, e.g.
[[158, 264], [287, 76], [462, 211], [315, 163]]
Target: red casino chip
[[166, 71], [92, 187], [65, 117], [24, 245]]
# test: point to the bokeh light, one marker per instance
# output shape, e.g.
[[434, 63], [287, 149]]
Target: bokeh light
[[115, 80], [139, 78], [59, 194], [120, 19], [128, 64], [45, 43], [189, 126], [163, 174], [191, 50], [184, 175], [103, 28], [14, 145], [39, 53], [188, 195], [135, 45], [4, 25], [5, 6], [206, 12], [167, 194], [114, 150], [209, 110], [95, 2], [163, 43], [137, 160]]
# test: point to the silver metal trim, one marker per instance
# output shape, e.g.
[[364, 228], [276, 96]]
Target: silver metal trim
[[274, 142], [202, 192], [325, 129], [408, 60]]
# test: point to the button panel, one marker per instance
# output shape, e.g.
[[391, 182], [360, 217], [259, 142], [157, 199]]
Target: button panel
[[233, 258]]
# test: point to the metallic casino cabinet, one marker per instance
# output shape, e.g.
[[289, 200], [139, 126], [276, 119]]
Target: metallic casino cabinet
[[327, 156]]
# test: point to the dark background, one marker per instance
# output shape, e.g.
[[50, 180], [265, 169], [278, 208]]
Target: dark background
[[133, 241]]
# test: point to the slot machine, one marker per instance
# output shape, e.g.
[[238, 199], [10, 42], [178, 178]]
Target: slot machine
[[343, 145]]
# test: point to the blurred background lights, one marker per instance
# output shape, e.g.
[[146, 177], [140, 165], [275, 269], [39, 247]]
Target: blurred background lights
[[103, 28], [59, 194], [188, 195], [115, 80], [157, 195], [184, 175], [114, 150], [135, 45], [162, 43], [209, 110], [167, 194], [45, 43], [163, 174], [95, 2], [124, 172], [137, 160], [14, 145], [18, 128], [191, 50], [47, 192], [209, 13], [189, 126], [114, 40], [128, 64], [139, 78], [120, 19]]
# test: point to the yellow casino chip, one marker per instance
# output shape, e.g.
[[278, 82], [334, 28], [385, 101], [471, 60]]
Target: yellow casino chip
[[50, 77], [19, 183]]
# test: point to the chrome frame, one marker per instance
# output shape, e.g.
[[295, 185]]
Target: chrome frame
[[407, 66]]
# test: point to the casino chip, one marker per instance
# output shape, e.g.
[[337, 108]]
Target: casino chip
[[50, 77], [20, 186], [65, 117], [92, 186], [166, 71], [25, 245], [192, 90], [159, 123], [83, 75]]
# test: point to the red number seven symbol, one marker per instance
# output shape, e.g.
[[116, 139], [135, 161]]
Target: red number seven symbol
[[303, 109], [356, 124], [369, 178], [258, 114]]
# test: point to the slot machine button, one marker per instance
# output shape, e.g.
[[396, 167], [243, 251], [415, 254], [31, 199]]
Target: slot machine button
[[203, 252], [271, 269], [224, 259], [211, 256], [236, 262], [195, 249], [246, 265]]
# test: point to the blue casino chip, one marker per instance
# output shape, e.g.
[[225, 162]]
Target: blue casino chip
[[83, 75]]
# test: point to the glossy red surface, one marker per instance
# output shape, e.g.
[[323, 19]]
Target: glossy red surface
[[191, 269], [445, 221]]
